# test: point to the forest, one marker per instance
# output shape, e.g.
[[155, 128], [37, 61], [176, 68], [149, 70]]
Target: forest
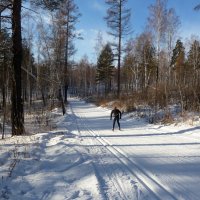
[[154, 70]]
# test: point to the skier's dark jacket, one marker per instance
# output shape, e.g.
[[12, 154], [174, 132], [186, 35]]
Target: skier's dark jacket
[[116, 112]]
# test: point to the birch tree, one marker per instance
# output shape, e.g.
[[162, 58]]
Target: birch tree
[[140, 61], [173, 24], [157, 22]]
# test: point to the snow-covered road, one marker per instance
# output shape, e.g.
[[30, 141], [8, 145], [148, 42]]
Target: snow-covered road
[[84, 159]]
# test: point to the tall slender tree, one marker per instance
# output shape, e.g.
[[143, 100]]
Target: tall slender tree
[[118, 20], [69, 13], [157, 22], [173, 24], [5, 57]]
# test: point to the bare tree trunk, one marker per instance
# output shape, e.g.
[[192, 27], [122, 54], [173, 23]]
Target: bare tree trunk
[[4, 96], [119, 50], [62, 101], [181, 97], [4, 114], [17, 115], [66, 55]]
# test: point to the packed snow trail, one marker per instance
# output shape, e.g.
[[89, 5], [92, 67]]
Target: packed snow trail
[[160, 173], [113, 182]]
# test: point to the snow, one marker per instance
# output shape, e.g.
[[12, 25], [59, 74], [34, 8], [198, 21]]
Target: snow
[[84, 159]]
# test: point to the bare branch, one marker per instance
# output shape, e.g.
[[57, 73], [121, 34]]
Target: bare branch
[[197, 8], [30, 9], [4, 7]]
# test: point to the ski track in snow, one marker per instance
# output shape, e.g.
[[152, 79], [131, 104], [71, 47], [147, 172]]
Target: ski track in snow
[[108, 184], [146, 179]]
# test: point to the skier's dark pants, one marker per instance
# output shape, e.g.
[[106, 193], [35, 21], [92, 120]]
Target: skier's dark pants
[[116, 119]]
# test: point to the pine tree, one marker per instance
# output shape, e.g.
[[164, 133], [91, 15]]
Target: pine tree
[[105, 67], [178, 62], [178, 56]]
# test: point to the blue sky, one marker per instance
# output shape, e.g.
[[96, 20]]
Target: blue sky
[[93, 12]]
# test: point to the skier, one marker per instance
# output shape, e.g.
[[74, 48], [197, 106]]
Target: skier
[[117, 115]]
